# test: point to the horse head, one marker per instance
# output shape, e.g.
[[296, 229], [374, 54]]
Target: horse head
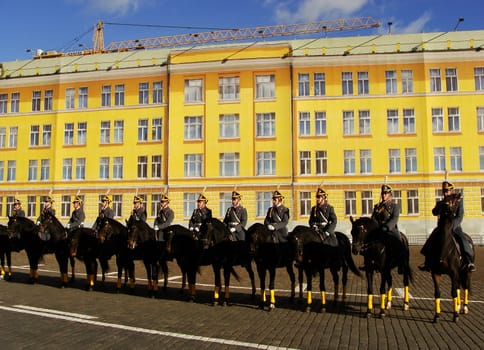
[[109, 229], [51, 228], [139, 232], [22, 226], [451, 202], [300, 236], [215, 232], [361, 231]]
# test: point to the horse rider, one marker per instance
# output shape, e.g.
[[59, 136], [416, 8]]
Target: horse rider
[[77, 217], [164, 218], [323, 219], [464, 244], [105, 211], [48, 209], [201, 215], [236, 217], [139, 211], [277, 218], [17, 209]]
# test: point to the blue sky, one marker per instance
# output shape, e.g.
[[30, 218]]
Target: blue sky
[[63, 25]]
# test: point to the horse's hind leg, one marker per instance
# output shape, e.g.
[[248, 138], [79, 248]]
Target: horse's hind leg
[[72, 260], [248, 267], [436, 279], [309, 289], [217, 284], [292, 278]]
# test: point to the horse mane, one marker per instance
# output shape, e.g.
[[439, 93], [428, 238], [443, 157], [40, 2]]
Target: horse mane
[[55, 221]]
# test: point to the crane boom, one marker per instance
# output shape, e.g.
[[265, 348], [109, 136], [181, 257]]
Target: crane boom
[[200, 38]]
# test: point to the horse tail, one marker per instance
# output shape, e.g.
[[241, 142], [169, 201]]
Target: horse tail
[[407, 257], [345, 247]]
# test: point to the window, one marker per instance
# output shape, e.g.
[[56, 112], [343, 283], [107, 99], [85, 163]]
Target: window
[[142, 167], [391, 81], [48, 97], [155, 204], [365, 161], [68, 134], [229, 164], [10, 200], [304, 124], [67, 169], [349, 162], [142, 130], [104, 168], [13, 137], [2, 171], [394, 160], [189, 204], [265, 163], [44, 169], [105, 132], [34, 135], [319, 84], [479, 78], [144, 93], [265, 86], [80, 168], [412, 202], [156, 129], [106, 96], [118, 205], [228, 89], [70, 98], [451, 79], [265, 124], [193, 165], [263, 202], [3, 137], [348, 123], [455, 158], [410, 160], [364, 122], [158, 92], [225, 200], [11, 170], [65, 206], [193, 128], [81, 133], [347, 83], [439, 159], [453, 119], [229, 126], [480, 119], [303, 84], [32, 176], [397, 198], [156, 167], [321, 162], [366, 203], [435, 80], [46, 134], [481, 158], [304, 203], [363, 83], [83, 96], [350, 203], [320, 123], [118, 131], [36, 96], [305, 162], [3, 103], [437, 120], [392, 121], [119, 95], [193, 90], [117, 168], [408, 121], [407, 81], [14, 102], [31, 205]]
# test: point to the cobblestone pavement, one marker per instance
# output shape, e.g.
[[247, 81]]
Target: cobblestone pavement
[[48, 317]]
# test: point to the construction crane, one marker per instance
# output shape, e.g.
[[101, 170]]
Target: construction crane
[[222, 35]]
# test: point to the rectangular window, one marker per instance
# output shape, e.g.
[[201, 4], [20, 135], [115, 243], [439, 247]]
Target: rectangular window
[[156, 129], [265, 86], [65, 206], [81, 133], [118, 132], [193, 165], [119, 95], [453, 119], [2, 171], [366, 202], [229, 126], [68, 134], [455, 158], [229, 89], [304, 203], [193, 128], [44, 169], [482, 200], [412, 202], [303, 84], [105, 132], [34, 135], [265, 163], [104, 168], [156, 167], [439, 159], [319, 84], [155, 204], [118, 205], [348, 123], [349, 162], [106, 96], [410, 160], [437, 120], [193, 90], [229, 164], [435, 80], [189, 204], [321, 162], [392, 121], [365, 161], [350, 203], [408, 121], [320, 123], [83, 97], [15, 102], [70, 98], [142, 130], [158, 92], [363, 83], [144, 93], [407, 81], [3, 137], [263, 202], [394, 160], [347, 83], [67, 169], [479, 78], [11, 170], [265, 124], [304, 162], [33, 164], [13, 137], [364, 122], [80, 168], [480, 119], [3, 103], [451, 79], [304, 124], [46, 134], [391, 81], [48, 97], [31, 206], [36, 97], [397, 198], [142, 167], [118, 168], [225, 200]]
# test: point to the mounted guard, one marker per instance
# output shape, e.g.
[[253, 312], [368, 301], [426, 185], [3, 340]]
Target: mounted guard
[[164, 218], [201, 215], [236, 218], [323, 219], [277, 218]]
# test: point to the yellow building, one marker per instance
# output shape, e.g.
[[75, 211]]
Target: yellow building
[[347, 114]]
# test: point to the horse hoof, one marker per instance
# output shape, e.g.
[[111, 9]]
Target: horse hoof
[[308, 309], [368, 314], [322, 309], [63, 285], [389, 305], [465, 310], [456, 317], [436, 319], [191, 299], [272, 307], [382, 314], [406, 307], [261, 306], [72, 279], [215, 303]]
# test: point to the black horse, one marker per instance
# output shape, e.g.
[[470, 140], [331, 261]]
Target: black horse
[[444, 259], [225, 253], [143, 245], [84, 245], [315, 256], [270, 255], [6, 248], [381, 254]]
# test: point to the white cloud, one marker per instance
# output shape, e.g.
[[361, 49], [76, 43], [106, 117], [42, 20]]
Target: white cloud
[[110, 7], [416, 26]]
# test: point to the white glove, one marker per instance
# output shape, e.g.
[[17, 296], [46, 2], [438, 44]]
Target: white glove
[[271, 227], [81, 225], [191, 228], [315, 227], [68, 225], [37, 223], [156, 228], [232, 229], [197, 229]]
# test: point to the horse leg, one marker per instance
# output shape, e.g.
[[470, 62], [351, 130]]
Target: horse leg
[[386, 279], [292, 277], [309, 288], [272, 286], [33, 256], [192, 278], [227, 272], [120, 266], [300, 277], [154, 276], [2, 263], [369, 289], [217, 283], [406, 282], [335, 274], [262, 280], [344, 282], [73, 268], [62, 260], [248, 267], [149, 273], [164, 269], [455, 292], [9, 265], [436, 279]]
